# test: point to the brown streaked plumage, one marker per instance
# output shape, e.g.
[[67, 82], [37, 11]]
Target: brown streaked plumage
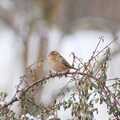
[[57, 62]]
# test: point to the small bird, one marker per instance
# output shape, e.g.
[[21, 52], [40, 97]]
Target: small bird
[[57, 62]]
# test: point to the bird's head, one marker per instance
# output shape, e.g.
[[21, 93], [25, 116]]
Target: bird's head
[[53, 53]]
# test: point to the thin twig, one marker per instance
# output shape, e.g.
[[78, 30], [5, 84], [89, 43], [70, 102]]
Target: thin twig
[[53, 75]]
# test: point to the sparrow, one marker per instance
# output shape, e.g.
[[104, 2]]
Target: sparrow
[[57, 62]]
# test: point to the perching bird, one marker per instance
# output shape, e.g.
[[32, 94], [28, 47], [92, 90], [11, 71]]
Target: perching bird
[[57, 62]]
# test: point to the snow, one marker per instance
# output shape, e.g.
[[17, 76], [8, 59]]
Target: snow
[[10, 60]]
